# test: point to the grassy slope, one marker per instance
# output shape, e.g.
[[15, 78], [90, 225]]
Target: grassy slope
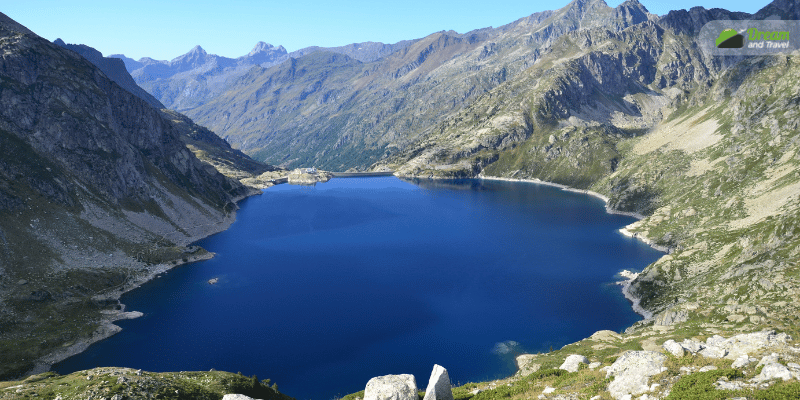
[[723, 172], [130, 384]]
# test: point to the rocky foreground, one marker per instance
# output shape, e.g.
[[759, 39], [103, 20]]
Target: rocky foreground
[[755, 365]]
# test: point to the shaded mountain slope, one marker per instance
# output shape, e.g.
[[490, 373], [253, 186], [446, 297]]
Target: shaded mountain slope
[[114, 69], [97, 191], [205, 145]]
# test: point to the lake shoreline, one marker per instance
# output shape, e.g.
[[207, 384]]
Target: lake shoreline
[[628, 275], [107, 326]]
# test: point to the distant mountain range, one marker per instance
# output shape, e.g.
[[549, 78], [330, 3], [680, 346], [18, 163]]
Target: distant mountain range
[[193, 78]]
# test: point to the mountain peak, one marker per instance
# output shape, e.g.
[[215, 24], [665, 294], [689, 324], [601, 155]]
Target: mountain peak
[[197, 50], [7, 23], [260, 47], [631, 4], [582, 4], [194, 58], [263, 53]]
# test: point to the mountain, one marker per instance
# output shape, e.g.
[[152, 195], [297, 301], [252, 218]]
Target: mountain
[[613, 100], [206, 145], [702, 148], [114, 69], [190, 80], [101, 188], [98, 192], [364, 52], [353, 114]]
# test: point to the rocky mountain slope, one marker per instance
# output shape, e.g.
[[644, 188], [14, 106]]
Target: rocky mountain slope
[[97, 193], [705, 148], [338, 113], [206, 145], [114, 70]]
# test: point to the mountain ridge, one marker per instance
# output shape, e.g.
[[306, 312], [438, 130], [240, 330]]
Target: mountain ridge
[[98, 192]]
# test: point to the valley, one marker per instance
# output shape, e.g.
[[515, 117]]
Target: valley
[[107, 188]]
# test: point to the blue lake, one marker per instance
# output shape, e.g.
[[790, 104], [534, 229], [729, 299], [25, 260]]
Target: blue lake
[[323, 287]]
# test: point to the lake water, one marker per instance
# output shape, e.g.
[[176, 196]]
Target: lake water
[[322, 288]]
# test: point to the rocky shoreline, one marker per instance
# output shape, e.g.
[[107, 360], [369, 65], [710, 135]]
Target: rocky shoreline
[[628, 275], [107, 327]]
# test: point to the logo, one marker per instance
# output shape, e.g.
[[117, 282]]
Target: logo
[[749, 37], [730, 39], [772, 39]]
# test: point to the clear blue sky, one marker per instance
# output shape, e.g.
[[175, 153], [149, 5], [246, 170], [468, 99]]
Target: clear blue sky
[[164, 29]]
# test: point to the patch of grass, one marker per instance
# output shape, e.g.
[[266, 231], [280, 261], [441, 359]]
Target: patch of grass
[[700, 385]]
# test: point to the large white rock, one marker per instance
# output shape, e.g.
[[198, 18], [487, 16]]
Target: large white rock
[[391, 387], [741, 362], [773, 370], [632, 371], [439, 385], [673, 348], [237, 397], [692, 346], [714, 351], [745, 343], [526, 364], [573, 362]]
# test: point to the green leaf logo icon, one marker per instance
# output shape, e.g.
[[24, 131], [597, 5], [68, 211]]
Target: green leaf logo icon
[[730, 39]]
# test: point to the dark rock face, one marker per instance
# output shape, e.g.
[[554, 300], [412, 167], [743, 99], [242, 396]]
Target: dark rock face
[[66, 109], [96, 187], [68, 130], [114, 68]]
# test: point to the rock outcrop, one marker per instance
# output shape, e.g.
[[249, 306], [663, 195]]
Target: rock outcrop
[[439, 385], [114, 68], [632, 371], [736, 347], [391, 387], [573, 362], [237, 397]]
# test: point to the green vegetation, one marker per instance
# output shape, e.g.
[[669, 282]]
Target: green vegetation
[[130, 384], [700, 385]]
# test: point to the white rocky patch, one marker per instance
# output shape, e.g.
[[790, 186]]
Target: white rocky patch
[[631, 372], [391, 387], [439, 385], [573, 362], [673, 348], [237, 397]]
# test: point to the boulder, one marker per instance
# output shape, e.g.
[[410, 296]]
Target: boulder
[[526, 364], [439, 385], [773, 370], [391, 387], [741, 362], [237, 397], [631, 372], [714, 352], [769, 359], [673, 348], [692, 346], [745, 343], [572, 362]]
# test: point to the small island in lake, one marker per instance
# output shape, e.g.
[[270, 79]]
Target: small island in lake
[[308, 176]]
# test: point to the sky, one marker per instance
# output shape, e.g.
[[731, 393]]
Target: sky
[[164, 30]]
